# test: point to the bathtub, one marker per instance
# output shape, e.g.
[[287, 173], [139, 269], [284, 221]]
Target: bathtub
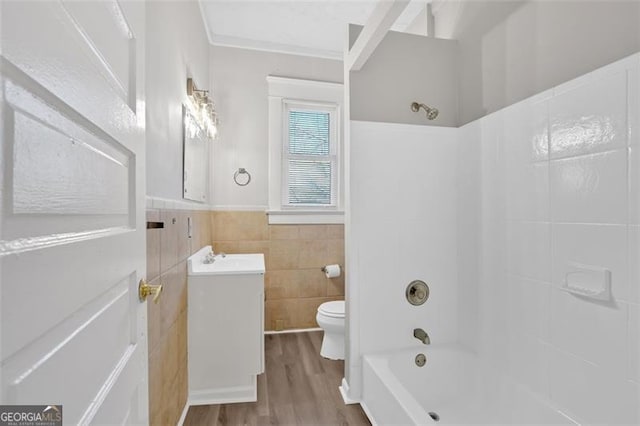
[[453, 387]]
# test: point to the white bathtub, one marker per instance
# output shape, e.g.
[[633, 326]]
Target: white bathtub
[[453, 384]]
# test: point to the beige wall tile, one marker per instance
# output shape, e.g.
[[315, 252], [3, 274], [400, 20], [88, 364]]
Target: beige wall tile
[[167, 320], [255, 247], [201, 230], [335, 232], [181, 388], [294, 254], [213, 217], [206, 231], [153, 246], [335, 252], [283, 232], [174, 294], [313, 232], [230, 226], [155, 331], [155, 388], [168, 240], [182, 230], [228, 247], [313, 254], [280, 284], [335, 286], [280, 309], [182, 339], [170, 358], [310, 283], [283, 254], [306, 310]]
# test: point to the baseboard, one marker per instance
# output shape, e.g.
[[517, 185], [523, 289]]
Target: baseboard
[[183, 416], [344, 391], [295, 330]]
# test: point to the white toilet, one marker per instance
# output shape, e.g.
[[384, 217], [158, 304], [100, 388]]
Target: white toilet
[[330, 318]]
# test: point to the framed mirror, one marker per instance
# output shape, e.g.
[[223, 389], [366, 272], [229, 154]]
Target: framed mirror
[[195, 172]]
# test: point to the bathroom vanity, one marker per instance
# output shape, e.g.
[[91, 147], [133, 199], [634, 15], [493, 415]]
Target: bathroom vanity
[[225, 326]]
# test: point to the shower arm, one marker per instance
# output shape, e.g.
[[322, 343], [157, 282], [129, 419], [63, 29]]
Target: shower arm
[[432, 113]]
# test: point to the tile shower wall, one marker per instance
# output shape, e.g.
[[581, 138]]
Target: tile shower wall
[[403, 225], [167, 251], [559, 174], [294, 284]]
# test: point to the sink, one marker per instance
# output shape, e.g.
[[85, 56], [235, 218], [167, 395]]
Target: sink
[[231, 264], [225, 323]]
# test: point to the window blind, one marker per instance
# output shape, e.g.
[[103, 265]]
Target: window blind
[[309, 164]]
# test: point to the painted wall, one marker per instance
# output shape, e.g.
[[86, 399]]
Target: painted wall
[[558, 175], [402, 227], [510, 50], [177, 48], [396, 75], [239, 83]]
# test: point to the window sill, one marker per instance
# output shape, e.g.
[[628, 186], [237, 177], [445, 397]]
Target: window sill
[[304, 217]]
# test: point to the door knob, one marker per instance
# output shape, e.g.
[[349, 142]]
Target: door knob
[[145, 289]]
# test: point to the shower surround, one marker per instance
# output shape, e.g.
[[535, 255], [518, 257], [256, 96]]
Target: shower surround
[[526, 196]]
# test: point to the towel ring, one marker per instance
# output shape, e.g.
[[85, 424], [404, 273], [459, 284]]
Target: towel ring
[[241, 181]]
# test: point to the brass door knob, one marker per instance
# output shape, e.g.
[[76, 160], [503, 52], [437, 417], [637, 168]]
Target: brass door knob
[[145, 290]]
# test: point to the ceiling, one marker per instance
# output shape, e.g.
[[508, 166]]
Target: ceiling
[[304, 27]]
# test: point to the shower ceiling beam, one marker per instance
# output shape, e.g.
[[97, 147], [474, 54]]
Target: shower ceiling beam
[[382, 18]]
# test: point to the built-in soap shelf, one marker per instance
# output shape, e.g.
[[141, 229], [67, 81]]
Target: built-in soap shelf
[[589, 281]]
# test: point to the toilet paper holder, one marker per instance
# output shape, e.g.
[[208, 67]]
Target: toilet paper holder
[[332, 271], [324, 268]]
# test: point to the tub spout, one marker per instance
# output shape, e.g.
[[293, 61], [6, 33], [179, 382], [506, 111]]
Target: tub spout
[[421, 335]]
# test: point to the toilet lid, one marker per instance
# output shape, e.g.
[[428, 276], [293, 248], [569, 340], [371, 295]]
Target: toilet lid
[[332, 309]]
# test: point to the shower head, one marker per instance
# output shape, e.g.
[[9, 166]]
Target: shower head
[[432, 113]]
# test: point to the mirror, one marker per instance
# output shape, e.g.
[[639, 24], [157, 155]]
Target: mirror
[[195, 159]]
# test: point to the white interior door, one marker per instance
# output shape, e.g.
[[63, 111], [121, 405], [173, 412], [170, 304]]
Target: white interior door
[[72, 209]]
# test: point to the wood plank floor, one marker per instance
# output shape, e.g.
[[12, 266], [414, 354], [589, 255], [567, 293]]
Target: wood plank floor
[[299, 387]]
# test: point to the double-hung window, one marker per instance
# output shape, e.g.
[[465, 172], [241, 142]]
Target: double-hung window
[[309, 156], [305, 165]]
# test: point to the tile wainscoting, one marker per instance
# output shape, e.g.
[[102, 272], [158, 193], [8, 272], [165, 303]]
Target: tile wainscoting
[[294, 284], [167, 251]]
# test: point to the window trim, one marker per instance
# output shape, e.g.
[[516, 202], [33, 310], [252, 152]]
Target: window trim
[[288, 91]]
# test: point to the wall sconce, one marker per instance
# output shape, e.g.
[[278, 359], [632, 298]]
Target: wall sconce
[[202, 109]]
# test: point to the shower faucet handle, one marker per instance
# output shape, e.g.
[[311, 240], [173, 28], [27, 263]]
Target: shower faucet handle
[[421, 335]]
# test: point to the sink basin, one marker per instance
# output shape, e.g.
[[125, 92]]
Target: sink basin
[[231, 264]]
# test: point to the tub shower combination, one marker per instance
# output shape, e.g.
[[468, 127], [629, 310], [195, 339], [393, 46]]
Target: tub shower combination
[[532, 310]]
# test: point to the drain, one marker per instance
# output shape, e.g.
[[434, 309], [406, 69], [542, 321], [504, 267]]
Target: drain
[[421, 360], [434, 416]]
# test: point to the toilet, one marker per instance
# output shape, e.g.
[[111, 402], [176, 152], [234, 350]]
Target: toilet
[[330, 318]]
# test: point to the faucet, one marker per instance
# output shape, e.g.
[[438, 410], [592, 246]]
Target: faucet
[[421, 335], [211, 257]]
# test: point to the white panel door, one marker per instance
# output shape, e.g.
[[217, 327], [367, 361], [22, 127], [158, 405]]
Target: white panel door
[[72, 247]]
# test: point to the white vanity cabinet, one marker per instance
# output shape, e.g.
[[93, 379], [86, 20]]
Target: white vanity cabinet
[[226, 327]]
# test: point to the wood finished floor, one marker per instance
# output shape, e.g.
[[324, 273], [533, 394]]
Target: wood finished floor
[[299, 387]]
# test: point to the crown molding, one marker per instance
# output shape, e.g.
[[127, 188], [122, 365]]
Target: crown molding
[[265, 46]]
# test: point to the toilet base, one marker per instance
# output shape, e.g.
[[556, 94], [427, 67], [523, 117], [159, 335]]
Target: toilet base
[[332, 346]]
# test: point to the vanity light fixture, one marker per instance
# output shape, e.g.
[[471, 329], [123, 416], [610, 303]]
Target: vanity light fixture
[[202, 109]]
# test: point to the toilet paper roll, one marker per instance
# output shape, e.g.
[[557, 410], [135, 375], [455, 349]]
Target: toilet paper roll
[[332, 271]]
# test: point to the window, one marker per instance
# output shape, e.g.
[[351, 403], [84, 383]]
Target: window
[[304, 151], [309, 156]]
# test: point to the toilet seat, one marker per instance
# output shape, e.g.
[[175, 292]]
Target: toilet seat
[[333, 309]]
